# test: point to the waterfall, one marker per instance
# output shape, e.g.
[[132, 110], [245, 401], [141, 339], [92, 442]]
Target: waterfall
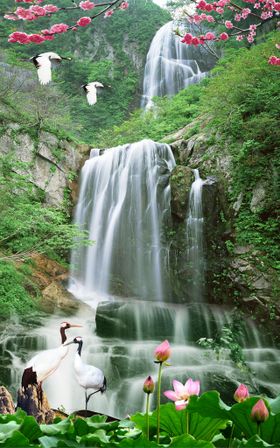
[[124, 200], [194, 231], [170, 66]]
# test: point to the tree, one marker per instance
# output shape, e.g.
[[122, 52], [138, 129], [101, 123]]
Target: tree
[[230, 19], [36, 11]]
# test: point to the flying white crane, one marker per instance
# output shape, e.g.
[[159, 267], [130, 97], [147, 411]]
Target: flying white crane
[[89, 377], [91, 90], [44, 62], [42, 365]]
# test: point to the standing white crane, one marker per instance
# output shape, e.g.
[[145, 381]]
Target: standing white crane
[[44, 62], [42, 365], [89, 377], [91, 91]]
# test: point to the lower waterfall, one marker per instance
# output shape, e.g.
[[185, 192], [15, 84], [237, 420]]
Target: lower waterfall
[[126, 306]]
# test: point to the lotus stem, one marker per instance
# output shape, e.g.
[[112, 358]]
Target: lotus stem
[[158, 399]]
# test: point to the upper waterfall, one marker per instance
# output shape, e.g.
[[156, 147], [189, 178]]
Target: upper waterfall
[[123, 202], [170, 66]]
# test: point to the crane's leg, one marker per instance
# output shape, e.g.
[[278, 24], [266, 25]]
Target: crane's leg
[[86, 398]]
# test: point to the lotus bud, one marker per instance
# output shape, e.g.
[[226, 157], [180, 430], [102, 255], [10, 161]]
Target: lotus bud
[[241, 393], [162, 352], [149, 385], [260, 412]]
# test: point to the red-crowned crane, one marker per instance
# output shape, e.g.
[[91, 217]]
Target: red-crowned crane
[[42, 365], [89, 377], [91, 89], [44, 62]]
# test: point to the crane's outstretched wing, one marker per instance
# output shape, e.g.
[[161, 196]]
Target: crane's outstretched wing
[[44, 69]]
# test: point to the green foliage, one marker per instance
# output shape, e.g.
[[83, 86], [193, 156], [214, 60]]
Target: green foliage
[[168, 115], [229, 338], [211, 424], [27, 226]]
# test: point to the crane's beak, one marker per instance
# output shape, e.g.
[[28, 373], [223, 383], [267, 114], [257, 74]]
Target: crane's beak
[[75, 325]]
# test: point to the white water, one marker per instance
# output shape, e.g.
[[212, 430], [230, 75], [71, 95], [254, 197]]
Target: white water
[[124, 199], [195, 240], [170, 66]]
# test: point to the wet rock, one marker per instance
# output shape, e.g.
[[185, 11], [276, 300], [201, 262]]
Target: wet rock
[[237, 204], [6, 402], [56, 297], [34, 402], [180, 181]]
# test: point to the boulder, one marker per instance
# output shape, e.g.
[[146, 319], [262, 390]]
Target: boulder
[[33, 401], [6, 402]]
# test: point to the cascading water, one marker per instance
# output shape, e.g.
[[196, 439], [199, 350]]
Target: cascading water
[[124, 203], [124, 199], [170, 67], [195, 243]]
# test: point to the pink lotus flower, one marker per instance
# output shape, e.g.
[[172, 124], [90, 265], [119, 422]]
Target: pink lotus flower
[[241, 393], [84, 21], [86, 5], [162, 352], [149, 385], [260, 412], [182, 393]]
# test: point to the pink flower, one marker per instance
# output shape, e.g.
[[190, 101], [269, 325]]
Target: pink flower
[[51, 8], [163, 351], [84, 21], [24, 14], [108, 13], [182, 393], [273, 60], [38, 10], [36, 38], [149, 385], [17, 36], [124, 5], [209, 36], [239, 38], [10, 17], [224, 36], [195, 41], [228, 24], [187, 39], [237, 17], [259, 412], [86, 5], [58, 28], [241, 393]]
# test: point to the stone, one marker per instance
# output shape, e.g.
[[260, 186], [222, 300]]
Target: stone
[[180, 182], [56, 297], [33, 401], [258, 198], [6, 401], [237, 204]]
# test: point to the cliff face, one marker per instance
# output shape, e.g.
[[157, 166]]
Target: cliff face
[[51, 163], [235, 273]]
